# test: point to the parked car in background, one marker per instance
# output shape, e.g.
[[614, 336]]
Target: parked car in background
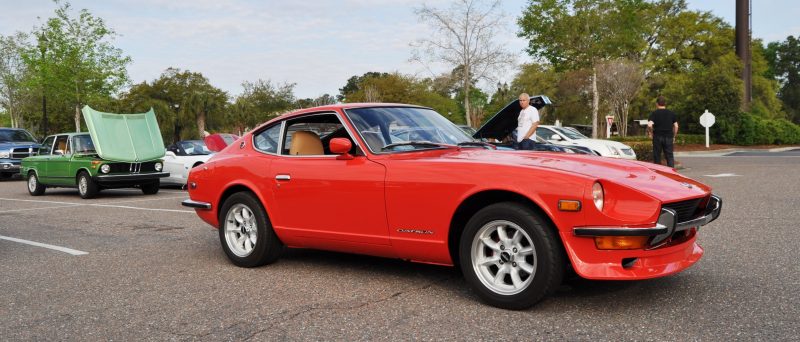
[[218, 141], [568, 136], [336, 178], [181, 157], [120, 151], [501, 127], [15, 144]]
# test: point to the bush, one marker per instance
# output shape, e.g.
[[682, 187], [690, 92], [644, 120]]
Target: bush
[[748, 129]]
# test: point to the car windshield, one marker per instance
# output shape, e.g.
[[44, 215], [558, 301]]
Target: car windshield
[[570, 133], [83, 144], [393, 129], [9, 135], [195, 147]]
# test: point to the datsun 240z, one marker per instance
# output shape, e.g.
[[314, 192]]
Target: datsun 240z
[[337, 178]]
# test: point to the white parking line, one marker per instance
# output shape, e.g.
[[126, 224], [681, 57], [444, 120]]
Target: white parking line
[[44, 245], [723, 175], [56, 207], [99, 205]]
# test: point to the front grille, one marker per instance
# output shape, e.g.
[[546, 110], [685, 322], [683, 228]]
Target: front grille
[[686, 210], [23, 152], [132, 167]]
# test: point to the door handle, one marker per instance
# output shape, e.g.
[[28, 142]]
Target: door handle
[[283, 177]]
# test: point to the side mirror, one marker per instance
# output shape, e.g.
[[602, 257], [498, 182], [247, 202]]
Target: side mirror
[[169, 154], [555, 137], [341, 146]]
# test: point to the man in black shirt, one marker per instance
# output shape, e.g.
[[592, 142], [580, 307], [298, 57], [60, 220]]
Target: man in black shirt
[[664, 126]]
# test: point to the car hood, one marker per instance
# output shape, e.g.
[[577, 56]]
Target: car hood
[[600, 142], [505, 121], [12, 144], [657, 181], [125, 137]]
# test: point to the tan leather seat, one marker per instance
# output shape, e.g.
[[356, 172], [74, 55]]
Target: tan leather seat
[[305, 143]]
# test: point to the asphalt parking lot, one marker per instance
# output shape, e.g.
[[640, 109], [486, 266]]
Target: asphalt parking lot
[[153, 270]]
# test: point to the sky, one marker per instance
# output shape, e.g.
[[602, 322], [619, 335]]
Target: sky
[[315, 44]]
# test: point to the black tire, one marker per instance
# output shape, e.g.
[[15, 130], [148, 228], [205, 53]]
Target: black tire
[[87, 187], [542, 256], [267, 248], [151, 188], [35, 188]]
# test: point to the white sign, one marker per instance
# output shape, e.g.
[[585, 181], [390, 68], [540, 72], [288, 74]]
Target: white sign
[[609, 121], [707, 120]]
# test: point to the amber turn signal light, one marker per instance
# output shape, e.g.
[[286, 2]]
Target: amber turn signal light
[[569, 205], [621, 242]]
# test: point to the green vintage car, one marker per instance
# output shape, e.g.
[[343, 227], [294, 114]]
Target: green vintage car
[[119, 151]]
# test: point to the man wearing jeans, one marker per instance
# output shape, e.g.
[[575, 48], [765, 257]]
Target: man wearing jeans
[[527, 121], [664, 126]]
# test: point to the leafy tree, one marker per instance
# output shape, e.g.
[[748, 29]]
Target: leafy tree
[[784, 63], [463, 36], [620, 81], [12, 73], [184, 97], [75, 62]]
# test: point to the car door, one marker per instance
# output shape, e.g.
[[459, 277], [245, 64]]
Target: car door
[[43, 158], [58, 166], [319, 196]]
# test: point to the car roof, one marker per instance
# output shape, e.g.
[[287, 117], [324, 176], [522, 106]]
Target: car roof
[[334, 107]]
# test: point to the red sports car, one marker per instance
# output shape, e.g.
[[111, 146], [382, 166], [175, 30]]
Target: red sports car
[[401, 181]]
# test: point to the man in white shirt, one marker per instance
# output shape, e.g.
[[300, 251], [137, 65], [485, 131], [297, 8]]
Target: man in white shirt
[[527, 122]]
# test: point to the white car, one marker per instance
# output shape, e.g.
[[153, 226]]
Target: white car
[[570, 137], [182, 157]]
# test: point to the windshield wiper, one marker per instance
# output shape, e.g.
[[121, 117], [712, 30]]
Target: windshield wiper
[[477, 144], [413, 143]]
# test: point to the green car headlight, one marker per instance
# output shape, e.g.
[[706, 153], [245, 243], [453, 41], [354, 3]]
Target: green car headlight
[[105, 168], [158, 166]]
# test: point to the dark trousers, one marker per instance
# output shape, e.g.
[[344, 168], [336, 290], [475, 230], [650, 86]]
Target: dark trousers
[[525, 144], [663, 143]]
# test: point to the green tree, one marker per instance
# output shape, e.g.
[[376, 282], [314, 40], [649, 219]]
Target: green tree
[[74, 61], [784, 63], [12, 74]]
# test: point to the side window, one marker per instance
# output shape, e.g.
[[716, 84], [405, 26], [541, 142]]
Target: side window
[[82, 144], [311, 135], [47, 146], [544, 133], [61, 145], [267, 140]]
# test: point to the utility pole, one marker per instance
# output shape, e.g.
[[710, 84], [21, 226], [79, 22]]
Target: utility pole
[[743, 48]]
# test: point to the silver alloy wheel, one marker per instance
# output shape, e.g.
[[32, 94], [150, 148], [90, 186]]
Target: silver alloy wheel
[[82, 185], [32, 183], [503, 257], [241, 230]]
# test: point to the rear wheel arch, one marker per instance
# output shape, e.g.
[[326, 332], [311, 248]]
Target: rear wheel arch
[[236, 188], [482, 199]]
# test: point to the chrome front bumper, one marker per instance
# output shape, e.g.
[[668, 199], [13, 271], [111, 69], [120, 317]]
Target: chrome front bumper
[[9, 167], [664, 228]]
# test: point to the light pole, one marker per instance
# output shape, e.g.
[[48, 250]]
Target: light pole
[[43, 50]]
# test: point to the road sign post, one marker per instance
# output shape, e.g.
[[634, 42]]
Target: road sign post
[[707, 120]]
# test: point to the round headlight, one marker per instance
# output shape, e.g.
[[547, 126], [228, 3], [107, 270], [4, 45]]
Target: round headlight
[[105, 168], [158, 166], [598, 195]]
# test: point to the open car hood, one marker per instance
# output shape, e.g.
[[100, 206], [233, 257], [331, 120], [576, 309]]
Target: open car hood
[[125, 137], [505, 121], [218, 141]]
